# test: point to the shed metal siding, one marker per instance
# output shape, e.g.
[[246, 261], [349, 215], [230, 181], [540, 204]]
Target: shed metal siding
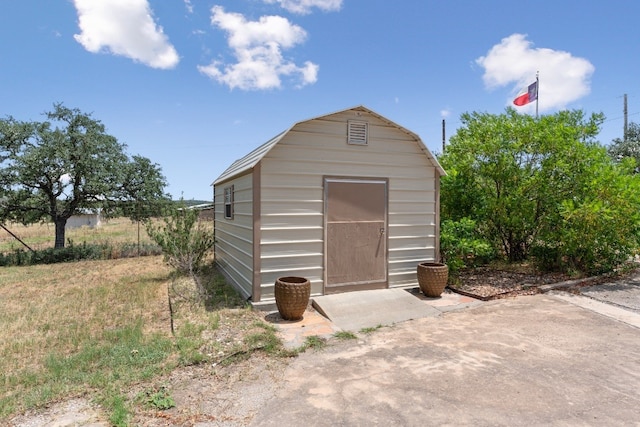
[[292, 196], [234, 237], [291, 224]]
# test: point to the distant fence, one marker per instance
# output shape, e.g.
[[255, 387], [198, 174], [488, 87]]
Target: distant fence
[[115, 231]]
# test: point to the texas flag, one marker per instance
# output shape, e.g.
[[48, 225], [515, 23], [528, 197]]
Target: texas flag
[[530, 95]]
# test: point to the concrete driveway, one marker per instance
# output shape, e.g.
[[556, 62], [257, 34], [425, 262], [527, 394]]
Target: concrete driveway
[[536, 360]]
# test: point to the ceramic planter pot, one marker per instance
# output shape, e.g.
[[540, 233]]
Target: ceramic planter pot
[[432, 278], [292, 296]]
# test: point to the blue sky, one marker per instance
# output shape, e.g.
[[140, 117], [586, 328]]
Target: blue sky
[[195, 84]]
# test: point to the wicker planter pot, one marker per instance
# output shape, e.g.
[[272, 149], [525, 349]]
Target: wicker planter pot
[[432, 278], [292, 296]]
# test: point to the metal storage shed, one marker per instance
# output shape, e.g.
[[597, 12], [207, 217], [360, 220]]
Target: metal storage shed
[[349, 200]]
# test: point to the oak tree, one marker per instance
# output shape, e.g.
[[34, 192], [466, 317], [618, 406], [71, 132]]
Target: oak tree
[[68, 164]]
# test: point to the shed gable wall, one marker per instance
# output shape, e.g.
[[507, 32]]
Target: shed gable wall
[[292, 206]]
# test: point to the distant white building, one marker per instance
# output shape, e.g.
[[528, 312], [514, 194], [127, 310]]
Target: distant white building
[[90, 219], [205, 211]]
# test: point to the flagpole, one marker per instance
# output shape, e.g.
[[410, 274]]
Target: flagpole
[[537, 92]]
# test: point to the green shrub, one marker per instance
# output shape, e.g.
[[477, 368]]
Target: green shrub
[[542, 187], [597, 229], [184, 241], [461, 246]]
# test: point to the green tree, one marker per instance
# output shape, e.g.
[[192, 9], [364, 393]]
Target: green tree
[[536, 184], [596, 227], [54, 169], [627, 147]]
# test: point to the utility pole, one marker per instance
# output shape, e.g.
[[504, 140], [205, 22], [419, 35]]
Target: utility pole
[[443, 135], [537, 92], [624, 135]]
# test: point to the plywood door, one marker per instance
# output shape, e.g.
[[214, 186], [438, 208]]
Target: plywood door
[[356, 238]]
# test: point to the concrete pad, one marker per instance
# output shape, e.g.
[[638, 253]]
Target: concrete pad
[[620, 314], [353, 311], [527, 361], [448, 301], [625, 295], [294, 333]]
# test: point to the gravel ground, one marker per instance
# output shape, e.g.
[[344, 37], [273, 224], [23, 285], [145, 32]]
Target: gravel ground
[[489, 283]]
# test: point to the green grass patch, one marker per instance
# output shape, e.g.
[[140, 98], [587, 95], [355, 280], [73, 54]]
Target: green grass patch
[[120, 411], [264, 339], [114, 360]]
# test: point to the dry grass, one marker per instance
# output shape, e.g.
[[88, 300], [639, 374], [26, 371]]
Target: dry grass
[[51, 314], [53, 308], [97, 328], [42, 236]]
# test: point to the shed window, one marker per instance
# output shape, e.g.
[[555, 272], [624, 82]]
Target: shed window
[[228, 202], [357, 133]]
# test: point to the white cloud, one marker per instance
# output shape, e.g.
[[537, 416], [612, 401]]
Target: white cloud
[[564, 78], [125, 28], [257, 46], [188, 5], [304, 7], [445, 113]]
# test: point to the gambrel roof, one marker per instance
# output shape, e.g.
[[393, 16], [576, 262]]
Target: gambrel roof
[[249, 161]]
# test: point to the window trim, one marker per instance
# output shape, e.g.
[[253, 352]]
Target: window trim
[[228, 202]]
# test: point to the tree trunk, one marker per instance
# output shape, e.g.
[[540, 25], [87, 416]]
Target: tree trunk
[[60, 230]]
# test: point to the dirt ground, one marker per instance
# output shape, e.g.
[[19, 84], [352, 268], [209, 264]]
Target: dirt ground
[[218, 396], [204, 395]]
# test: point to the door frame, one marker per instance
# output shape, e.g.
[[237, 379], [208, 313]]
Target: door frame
[[357, 286]]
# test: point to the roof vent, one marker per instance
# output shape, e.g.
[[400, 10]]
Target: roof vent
[[357, 133]]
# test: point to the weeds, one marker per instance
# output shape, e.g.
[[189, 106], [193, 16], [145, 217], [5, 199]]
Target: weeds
[[120, 412], [189, 343], [315, 342], [158, 399], [371, 330], [92, 326], [345, 335], [264, 339]]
